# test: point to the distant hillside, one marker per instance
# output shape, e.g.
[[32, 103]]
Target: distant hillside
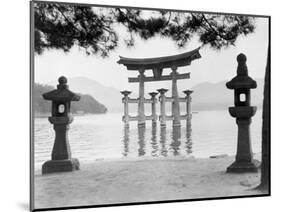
[[206, 96], [215, 96], [87, 103], [110, 97]]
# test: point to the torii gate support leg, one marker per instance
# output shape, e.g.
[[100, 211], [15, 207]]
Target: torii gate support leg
[[162, 100], [175, 96], [141, 115]]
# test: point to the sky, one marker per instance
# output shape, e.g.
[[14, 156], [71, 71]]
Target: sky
[[214, 66]]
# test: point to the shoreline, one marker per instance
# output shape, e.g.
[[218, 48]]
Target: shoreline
[[47, 114], [256, 156], [124, 181]]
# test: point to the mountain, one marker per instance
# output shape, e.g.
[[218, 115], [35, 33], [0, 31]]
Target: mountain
[[86, 104], [206, 96], [40, 105], [110, 97], [215, 96]]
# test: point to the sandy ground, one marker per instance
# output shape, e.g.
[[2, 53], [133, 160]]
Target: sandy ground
[[123, 181]]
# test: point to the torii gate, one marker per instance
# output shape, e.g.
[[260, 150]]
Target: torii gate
[[157, 65]]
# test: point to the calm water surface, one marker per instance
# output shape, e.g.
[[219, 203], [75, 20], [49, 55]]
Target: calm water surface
[[95, 137]]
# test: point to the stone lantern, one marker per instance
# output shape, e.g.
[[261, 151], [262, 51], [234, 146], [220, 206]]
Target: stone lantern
[[188, 106], [242, 111], [162, 99], [153, 107], [125, 100], [61, 118]]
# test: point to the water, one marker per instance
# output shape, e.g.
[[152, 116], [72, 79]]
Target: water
[[103, 136]]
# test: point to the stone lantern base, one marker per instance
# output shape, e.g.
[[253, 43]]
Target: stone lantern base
[[242, 167], [53, 166]]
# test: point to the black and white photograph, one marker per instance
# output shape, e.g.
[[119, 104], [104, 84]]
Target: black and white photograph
[[136, 105]]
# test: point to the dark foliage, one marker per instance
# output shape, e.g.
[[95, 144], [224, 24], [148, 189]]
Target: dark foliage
[[87, 103], [40, 105], [61, 26]]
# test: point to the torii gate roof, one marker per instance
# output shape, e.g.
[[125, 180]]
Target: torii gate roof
[[178, 60]]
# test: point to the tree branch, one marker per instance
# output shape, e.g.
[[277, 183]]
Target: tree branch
[[210, 25], [67, 20]]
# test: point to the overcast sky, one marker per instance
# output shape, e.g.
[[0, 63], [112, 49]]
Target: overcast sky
[[214, 66]]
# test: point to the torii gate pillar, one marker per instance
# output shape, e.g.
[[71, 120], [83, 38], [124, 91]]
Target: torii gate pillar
[[141, 115], [175, 96]]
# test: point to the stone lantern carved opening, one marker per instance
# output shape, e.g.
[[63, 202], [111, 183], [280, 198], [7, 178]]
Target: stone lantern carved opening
[[61, 108], [242, 97]]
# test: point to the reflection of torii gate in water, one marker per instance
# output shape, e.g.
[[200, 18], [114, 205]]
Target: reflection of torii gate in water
[[157, 65]]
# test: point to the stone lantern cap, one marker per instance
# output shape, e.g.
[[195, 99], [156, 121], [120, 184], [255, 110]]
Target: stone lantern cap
[[153, 94], [242, 80], [187, 92], [162, 90], [125, 92], [62, 93]]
